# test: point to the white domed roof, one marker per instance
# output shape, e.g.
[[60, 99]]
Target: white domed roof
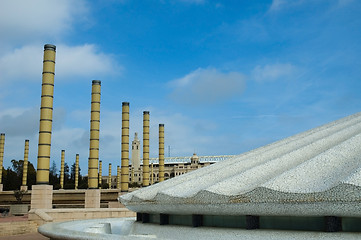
[[317, 172]]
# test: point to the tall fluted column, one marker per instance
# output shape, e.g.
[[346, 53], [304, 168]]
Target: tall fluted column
[[161, 152], [145, 148], [46, 115], [25, 166], [100, 175], [94, 136], [62, 169], [2, 144], [118, 177], [125, 148], [110, 176], [76, 171]]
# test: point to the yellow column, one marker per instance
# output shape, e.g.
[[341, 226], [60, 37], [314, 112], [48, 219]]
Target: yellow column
[[125, 148], [76, 171], [145, 148], [94, 136], [118, 177], [25, 167], [161, 152], [2, 144], [46, 115], [62, 169], [100, 175], [110, 176]]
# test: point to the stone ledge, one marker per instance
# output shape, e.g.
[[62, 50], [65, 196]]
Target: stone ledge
[[42, 216]]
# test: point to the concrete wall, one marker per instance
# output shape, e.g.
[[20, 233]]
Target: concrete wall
[[41, 216]]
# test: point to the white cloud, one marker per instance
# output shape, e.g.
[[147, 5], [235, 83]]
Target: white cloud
[[25, 64], [25, 121], [193, 1], [21, 64], [207, 86], [85, 61], [22, 21], [272, 72], [277, 5]]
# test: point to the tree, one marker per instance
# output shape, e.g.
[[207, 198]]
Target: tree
[[72, 172], [66, 173], [53, 169], [17, 167], [53, 176], [13, 177], [31, 180], [11, 180], [83, 182]]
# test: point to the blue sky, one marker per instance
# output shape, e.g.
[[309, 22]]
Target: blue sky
[[224, 77]]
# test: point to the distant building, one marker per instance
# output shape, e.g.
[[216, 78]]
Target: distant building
[[170, 169]]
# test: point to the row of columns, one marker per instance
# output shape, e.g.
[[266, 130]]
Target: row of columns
[[125, 150], [45, 131], [62, 170], [26, 154], [26, 163]]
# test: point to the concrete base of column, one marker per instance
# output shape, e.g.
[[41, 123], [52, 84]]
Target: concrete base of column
[[92, 198], [42, 197], [1, 187], [23, 188]]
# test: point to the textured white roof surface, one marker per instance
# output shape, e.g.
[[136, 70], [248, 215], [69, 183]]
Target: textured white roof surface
[[317, 172]]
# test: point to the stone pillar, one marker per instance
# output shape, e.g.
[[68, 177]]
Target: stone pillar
[[94, 136], [161, 152], [40, 196], [145, 148], [46, 115], [118, 177], [125, 148], [2, 144], [100, 176], [92, 198], [110, 176], [76, 171], [62, 169], [24, 186]]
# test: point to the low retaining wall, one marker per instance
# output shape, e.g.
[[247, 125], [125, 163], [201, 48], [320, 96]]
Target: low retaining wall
[[41, 216]]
